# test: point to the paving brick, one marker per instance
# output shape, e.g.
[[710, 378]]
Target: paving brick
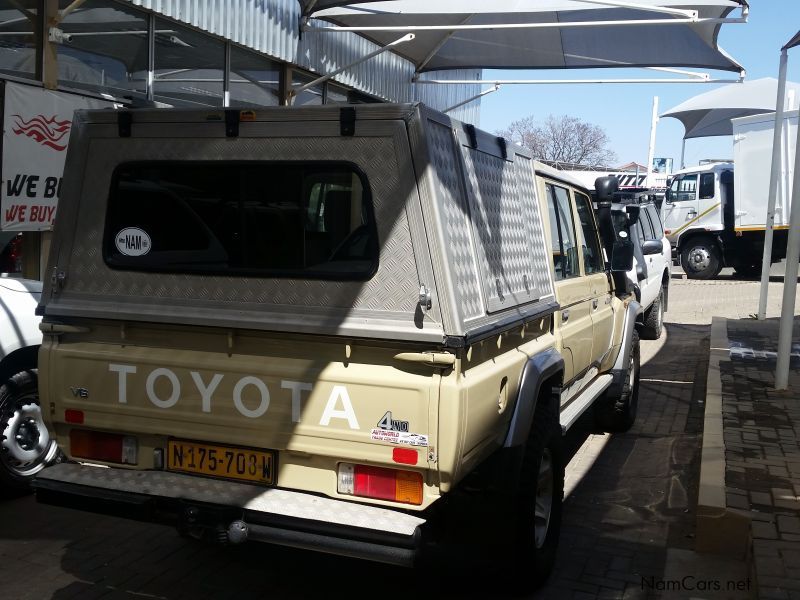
[[788, 524], [763, 530], [761, 498]]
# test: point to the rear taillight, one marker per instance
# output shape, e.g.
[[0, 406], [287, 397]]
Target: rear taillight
[[380, 483], [106, 447], [73, 416]]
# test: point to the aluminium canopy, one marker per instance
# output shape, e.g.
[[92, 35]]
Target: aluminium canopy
[[542, 34], [710, 114]]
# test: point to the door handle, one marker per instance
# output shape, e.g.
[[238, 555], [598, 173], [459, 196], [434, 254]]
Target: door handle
[[594, 304], [691, 214], [564, 316]]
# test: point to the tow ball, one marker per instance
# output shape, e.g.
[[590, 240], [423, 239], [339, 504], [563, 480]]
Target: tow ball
[[237, 532], [200, 524]]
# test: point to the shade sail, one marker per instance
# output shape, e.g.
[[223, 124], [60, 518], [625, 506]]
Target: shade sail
[[547, 34], [710, 114], [795, 41]]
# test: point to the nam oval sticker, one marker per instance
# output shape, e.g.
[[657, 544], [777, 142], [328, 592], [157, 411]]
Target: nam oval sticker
[[133, 241]]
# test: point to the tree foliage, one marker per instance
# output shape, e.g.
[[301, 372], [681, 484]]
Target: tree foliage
[[563, 139]]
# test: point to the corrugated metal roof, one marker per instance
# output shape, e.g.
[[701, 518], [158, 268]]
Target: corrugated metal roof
[[273, 28]]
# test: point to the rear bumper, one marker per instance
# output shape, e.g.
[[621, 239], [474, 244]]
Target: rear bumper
[[282, 517]]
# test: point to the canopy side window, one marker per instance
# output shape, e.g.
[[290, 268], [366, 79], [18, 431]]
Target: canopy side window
[[565, 245], [592, 255]]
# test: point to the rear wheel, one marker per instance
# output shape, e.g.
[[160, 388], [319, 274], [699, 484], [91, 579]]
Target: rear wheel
[[701, 259], [654, 319], [25, 444], [539, 501], [617, 414]]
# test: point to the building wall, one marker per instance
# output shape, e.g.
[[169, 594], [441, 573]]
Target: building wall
[[273, 27]]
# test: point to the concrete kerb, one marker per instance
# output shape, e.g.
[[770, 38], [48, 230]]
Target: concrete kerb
[[720, 530]]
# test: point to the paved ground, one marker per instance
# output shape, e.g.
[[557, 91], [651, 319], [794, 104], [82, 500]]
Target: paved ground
[[762, 452], [628, 525]]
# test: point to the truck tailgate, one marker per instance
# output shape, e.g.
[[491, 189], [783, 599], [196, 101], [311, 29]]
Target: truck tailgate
[[314, 402]]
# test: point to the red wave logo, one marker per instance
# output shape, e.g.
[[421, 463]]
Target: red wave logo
[[46, 131]]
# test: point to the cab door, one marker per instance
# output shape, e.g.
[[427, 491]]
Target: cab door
[[596, 279], [682, 209], [574, 319]]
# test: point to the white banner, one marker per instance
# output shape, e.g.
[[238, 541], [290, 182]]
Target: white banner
[[36, 127]]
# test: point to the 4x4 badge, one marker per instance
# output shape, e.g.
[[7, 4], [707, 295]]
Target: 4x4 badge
[[390, 424], [79, 392]]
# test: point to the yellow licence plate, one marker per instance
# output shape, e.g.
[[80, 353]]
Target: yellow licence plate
[[221, 461]]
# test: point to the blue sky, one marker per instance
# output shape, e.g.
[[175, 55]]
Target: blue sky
[[624, 110]]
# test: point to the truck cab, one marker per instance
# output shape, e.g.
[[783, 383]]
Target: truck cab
[[715, 215], [693, 218]]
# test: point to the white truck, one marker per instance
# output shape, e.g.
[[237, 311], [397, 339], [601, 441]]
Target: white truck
[[715, 214]]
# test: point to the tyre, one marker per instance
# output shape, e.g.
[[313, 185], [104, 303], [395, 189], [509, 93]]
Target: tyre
[[25, 444], [617, 414], [539, 502], [654, 319], [701, 259]]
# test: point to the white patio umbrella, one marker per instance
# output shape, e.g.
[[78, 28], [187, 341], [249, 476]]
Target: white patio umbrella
[[710, 114], [542, 34]]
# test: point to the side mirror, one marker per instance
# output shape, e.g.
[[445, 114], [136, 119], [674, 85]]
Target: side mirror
[[605, 188], [668, 193], [622, 256], [652, 247], [632, 210]]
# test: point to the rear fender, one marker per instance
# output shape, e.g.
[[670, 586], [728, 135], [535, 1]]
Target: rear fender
[[537, 370]]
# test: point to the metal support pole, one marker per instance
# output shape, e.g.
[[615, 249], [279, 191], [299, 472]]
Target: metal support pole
[[777, 140], [565, 81], [472, 99], [683, 153], [537, 25], [298, 90], [51, 18], [151, 57], [651, 150], [790, 280], [226, 77]]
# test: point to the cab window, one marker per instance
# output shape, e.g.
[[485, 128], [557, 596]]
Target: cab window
[[706, 186], [645, 226], [592, 255], [655, 221], [562, 227], [684, 188]]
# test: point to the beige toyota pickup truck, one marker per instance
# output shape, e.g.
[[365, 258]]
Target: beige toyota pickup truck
[[360, 331]]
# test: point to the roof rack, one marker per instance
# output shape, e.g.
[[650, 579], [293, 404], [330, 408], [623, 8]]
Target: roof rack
[[636, 196]]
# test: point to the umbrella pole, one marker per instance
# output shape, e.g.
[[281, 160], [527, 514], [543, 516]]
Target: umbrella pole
[[683, 153], [777, 137], [651, 150], [790, 281]]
